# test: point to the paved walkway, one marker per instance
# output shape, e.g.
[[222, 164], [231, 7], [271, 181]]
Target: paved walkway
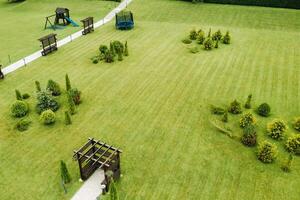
[[23, 62], [91, 189]]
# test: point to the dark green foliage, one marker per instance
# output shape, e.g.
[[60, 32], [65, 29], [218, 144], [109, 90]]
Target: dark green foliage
[[38, 86], [227, 38], [200, 37], [194, 50], [64, 173], [249, 135], [193, 34], [235, 107], [292, 144], [217, 44], [118, 47], [120, 56], [95, 59], [287, 165], [53, 87], [45, 101], [276, 129], [217, 110], [19, 109], [225, 117], [209, 33], [22, 125], [113, 193], [186, 41], [267, 152], [25, 96], [18, 95], [109, 57], [264, 110], [208, 43], [103, 49], [75, 94], [68, 82], [48, 117], [126, 53], [72, 107], [246, 120], [217, 35], [296, 124], [112, 49], [68, 120], [248, 102]]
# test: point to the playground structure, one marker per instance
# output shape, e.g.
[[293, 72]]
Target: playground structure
[[88, 25], [61, 14], [99, 155], [124, 20], [49, 44]]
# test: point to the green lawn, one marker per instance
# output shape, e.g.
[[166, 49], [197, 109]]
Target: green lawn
[[23, 23], [154, 105]]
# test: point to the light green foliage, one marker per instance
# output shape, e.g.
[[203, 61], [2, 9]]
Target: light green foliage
[[247, 119], [292, 144], [296, 124], [235, 107], [64, 173], [53, 87], [267, 152], [276, 129], [19, 109], [48, 117], [22, 125]]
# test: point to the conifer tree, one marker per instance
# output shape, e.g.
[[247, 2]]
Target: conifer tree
[[18, 95], [68, 83], [38, 86], [68, 120], [64, 173], [120, 56], [225, 117], [112, 49], [72, 107], [126, 50], [248, 102]]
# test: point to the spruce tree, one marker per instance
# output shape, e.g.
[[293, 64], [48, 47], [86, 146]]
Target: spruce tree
[[113, 191], [217, 44], [68, 83], [112, 49], [72, 107], [68, 120], [120, 56], [225, 117], [38, 86], [209, 33], [18, 95], [248, 102], [64, 173], [126, 50]]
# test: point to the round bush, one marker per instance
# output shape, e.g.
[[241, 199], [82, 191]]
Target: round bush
[[296, 124], [226, 38], [75, 95], [48, 117], [267, 152], [235, 107], [19, 109], [292, 144], [217, 35], [200, 37], [23, 125], [264, 110], [186, 41], [208, 43], [193, 34], [249, 135], [247, 119], [53, 87], [276, 129]]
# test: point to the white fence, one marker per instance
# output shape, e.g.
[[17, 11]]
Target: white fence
[[24, 61]]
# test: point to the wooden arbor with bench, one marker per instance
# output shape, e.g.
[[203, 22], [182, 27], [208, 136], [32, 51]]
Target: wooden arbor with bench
[[1, 73], [88, 25], [96, 154], [49, 44]]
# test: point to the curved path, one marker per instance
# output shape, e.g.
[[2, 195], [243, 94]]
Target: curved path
[[23, 62]]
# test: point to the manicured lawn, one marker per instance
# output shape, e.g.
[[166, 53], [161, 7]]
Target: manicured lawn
[[23, 23], [154, 105]]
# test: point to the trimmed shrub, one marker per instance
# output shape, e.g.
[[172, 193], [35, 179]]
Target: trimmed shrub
[[112, 49], [287, 165], [217, 44], [217, 110], [296, 124], [118, 47], [226, 38], [267, 152], [193, 34], [249, 135], [68, 120], [235, 107], [26, 96], [37, 86], [72, 107], [248, 102], [120, 56], [45, 102], [53, 87], [103, 49], [225, 117], [109, 57], [48, 117], [18, 95], [208, 43], [292, 144], [194, 50], [23, 125], [68, 83], [247, 119], [209, 33], [200, 37], [19, 109], [75, 94], [276, 129], [64, 173], [126, 53], [186, 41], [264, 110], [217, 35]]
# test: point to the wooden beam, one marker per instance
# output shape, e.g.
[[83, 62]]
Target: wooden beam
[[113, 153]]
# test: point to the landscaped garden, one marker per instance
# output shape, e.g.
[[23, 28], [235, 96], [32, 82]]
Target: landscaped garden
[[217, 123]]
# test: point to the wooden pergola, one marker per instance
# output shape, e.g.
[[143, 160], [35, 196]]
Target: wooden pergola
[[1, 73], [49, 44], [96, 154], [88, 25]]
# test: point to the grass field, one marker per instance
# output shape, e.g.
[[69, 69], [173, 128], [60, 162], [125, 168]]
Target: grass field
[[154, 105], [23, 23]]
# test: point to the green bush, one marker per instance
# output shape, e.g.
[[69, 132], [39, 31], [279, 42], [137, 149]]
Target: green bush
[[227, 38], [225, 117], [249, 135], [248, 102], [200, 37], [217, 110], [68, 82], [296, 124], [267, 152], [264, 110], [208, 43], [68, 120], [118, 47], [235, 107], [45, 101], [103, 49], [109, 57], [126, 53], [75, 94], [194, 50], [37, 86], [72, 107], [18, 95], [26, 96], [22, 125], [64, 173], [217, 44], [193, 34], [48, 117], [247, 119], [53, 87], [292, 144], [287, 165], [19, 109], [276, 129], [186, 41], [217, 35]]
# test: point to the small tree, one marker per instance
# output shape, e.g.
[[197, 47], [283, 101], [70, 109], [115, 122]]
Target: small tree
[[225, 117], [112, 49], [37, 86], [247, 119], [64, 173], [235, 107], [267, 152], [248, 102], [45, 102], [276, 129], [209, 33], [72, 107], [208, 43], [226, 38], [287, 165], [68, 83], [120, 56], [53, 87], [264, 110], [126, 50], [113, 191], [68, 120], [200, 37], [18, 95], [193, 34]]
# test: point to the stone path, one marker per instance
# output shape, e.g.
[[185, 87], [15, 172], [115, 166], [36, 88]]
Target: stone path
[[23, 62]]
